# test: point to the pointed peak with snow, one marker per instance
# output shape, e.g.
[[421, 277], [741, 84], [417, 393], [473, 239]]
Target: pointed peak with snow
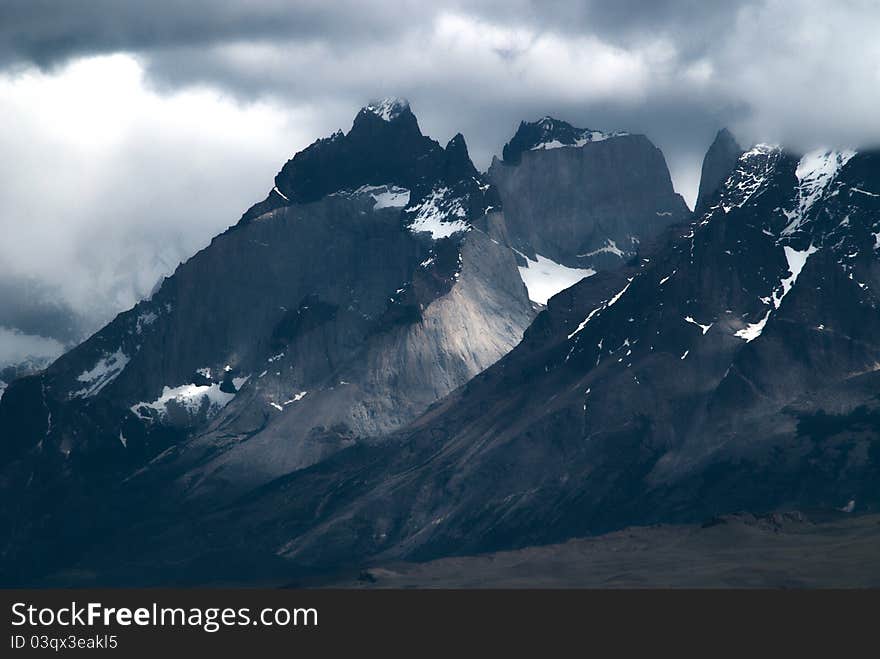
[[550, 133], [387, 109], [384, 147]]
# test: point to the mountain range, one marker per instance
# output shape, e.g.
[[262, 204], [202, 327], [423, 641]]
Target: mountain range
[[394, 356]]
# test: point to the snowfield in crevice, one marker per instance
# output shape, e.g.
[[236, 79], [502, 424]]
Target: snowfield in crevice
[[552, 130], [606, 304], [610, 247], [815, 173], [751, 332], [752, 171], [796, 261], [545, 278], [191, 398], [587, 137], [439, 214], [390, 197], [384, 196], [101, 374], [703, 328]]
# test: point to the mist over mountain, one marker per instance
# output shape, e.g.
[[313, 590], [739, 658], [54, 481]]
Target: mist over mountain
[[395, 356]]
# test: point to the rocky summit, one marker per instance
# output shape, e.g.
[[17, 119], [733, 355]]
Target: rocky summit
[[395, 357], [583, 198]]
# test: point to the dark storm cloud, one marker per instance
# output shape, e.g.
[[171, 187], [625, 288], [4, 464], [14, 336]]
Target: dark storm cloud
[[153, 151], [205, 41], [31, 307], [338, 54], [47, 32]]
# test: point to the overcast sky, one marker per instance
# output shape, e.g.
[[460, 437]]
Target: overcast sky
[[132, 132]]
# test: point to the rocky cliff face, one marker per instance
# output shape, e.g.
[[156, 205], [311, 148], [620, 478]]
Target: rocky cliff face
[[731, 364], [719, 162], [583, 198], [356, 294], [733, 367]]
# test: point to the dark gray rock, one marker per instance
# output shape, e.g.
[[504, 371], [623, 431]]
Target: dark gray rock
[[718, 163], [357, 294], [733, 369], [583, 198]]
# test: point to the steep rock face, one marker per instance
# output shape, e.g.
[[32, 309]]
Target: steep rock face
[[735, 367], [718, 163], [346, 378], [358, 293], [582, 198]]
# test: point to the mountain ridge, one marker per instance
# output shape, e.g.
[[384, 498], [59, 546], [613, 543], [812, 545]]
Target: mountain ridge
[[388, 392]]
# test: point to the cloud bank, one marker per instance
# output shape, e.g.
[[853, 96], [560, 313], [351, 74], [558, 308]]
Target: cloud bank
[[135, 131]]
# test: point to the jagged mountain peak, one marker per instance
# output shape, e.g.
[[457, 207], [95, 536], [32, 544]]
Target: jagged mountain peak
[[718, 162], [385, 117], [725, 137], [550, 133], [388, 109], [587, 206], [732, 368], [670, 381], [384, 147], [458, 161]]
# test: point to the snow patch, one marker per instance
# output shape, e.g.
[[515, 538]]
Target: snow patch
[[144, 320], [751, 332], [796, 261], [388, 109], [600, 308], [103, 373], [620, 294], [440, 215], [667, 278], [384, 196], [391, 197], [586, 137], [753, 168], [815, 172], [296, 397], [545, 278], [191, 397], [704, 328], [610, 247], [552, 144]]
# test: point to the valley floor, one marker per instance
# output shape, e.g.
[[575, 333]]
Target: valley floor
[[783, 550]]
